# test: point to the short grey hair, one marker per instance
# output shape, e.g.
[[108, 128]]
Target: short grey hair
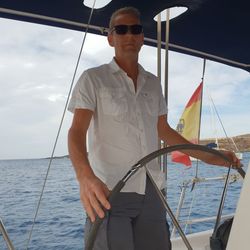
[[123, 11]]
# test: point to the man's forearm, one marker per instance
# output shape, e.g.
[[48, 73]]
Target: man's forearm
[[78, 154], [172, 137]]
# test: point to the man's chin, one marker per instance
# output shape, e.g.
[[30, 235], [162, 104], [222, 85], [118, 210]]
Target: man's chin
[[131, 50]]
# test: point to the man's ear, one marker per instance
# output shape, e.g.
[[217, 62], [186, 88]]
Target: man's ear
[[110, 40]]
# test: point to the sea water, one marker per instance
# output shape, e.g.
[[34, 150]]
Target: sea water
[[60, 218]]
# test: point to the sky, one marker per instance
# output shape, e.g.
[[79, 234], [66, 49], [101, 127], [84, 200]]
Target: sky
[[36, 68]]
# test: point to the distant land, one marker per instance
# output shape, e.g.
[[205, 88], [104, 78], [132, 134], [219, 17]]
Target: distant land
[[242, 142], [58, 157]]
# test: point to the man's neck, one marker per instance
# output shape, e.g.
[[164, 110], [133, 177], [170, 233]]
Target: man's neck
[[130, 66]]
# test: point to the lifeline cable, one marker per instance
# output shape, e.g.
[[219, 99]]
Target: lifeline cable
[[94, 229], [61, 122]]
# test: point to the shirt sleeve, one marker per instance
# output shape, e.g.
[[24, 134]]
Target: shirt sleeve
[[83, 95]]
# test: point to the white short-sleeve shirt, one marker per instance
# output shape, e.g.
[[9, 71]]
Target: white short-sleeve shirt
[[124, 124]]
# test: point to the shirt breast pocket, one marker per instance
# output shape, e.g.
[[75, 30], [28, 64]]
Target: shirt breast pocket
[[151, 103], [113, 101]]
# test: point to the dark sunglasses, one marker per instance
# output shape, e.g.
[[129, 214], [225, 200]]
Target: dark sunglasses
[[123, 29]]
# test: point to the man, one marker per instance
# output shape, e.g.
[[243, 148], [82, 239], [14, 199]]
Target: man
[[122, 108]]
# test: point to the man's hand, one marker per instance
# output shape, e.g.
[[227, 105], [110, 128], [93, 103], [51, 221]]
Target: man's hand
[[234, 161], [93, 194]]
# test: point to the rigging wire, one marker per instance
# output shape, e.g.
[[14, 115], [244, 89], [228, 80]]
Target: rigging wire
[[193, 200], [219, 118], [61, 123]]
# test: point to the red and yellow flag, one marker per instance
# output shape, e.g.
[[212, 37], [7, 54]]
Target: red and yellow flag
[[188, 125]]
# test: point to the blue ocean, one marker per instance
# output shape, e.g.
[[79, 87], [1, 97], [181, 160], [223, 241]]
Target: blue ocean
[[60, 219]]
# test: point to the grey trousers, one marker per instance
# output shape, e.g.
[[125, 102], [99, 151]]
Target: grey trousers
[[135, 222]]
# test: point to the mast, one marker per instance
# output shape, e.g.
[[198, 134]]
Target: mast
[[199, 130], [202, 79]]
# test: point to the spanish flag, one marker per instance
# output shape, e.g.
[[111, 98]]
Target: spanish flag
[[188, 125]]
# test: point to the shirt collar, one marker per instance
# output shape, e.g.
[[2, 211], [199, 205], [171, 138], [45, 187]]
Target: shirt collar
[[115, 68]]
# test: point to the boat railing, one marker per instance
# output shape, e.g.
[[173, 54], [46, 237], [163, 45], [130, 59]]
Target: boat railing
[[205, 219], [186, 184], [6, 236]]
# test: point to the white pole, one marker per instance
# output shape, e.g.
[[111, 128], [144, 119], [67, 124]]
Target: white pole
[[159, 68], [166, 80]]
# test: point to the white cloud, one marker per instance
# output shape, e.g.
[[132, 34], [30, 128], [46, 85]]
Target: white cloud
[[54, 98], [29, 65], [67, 40]]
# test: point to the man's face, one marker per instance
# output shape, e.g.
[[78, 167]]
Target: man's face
[[126, 44]]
